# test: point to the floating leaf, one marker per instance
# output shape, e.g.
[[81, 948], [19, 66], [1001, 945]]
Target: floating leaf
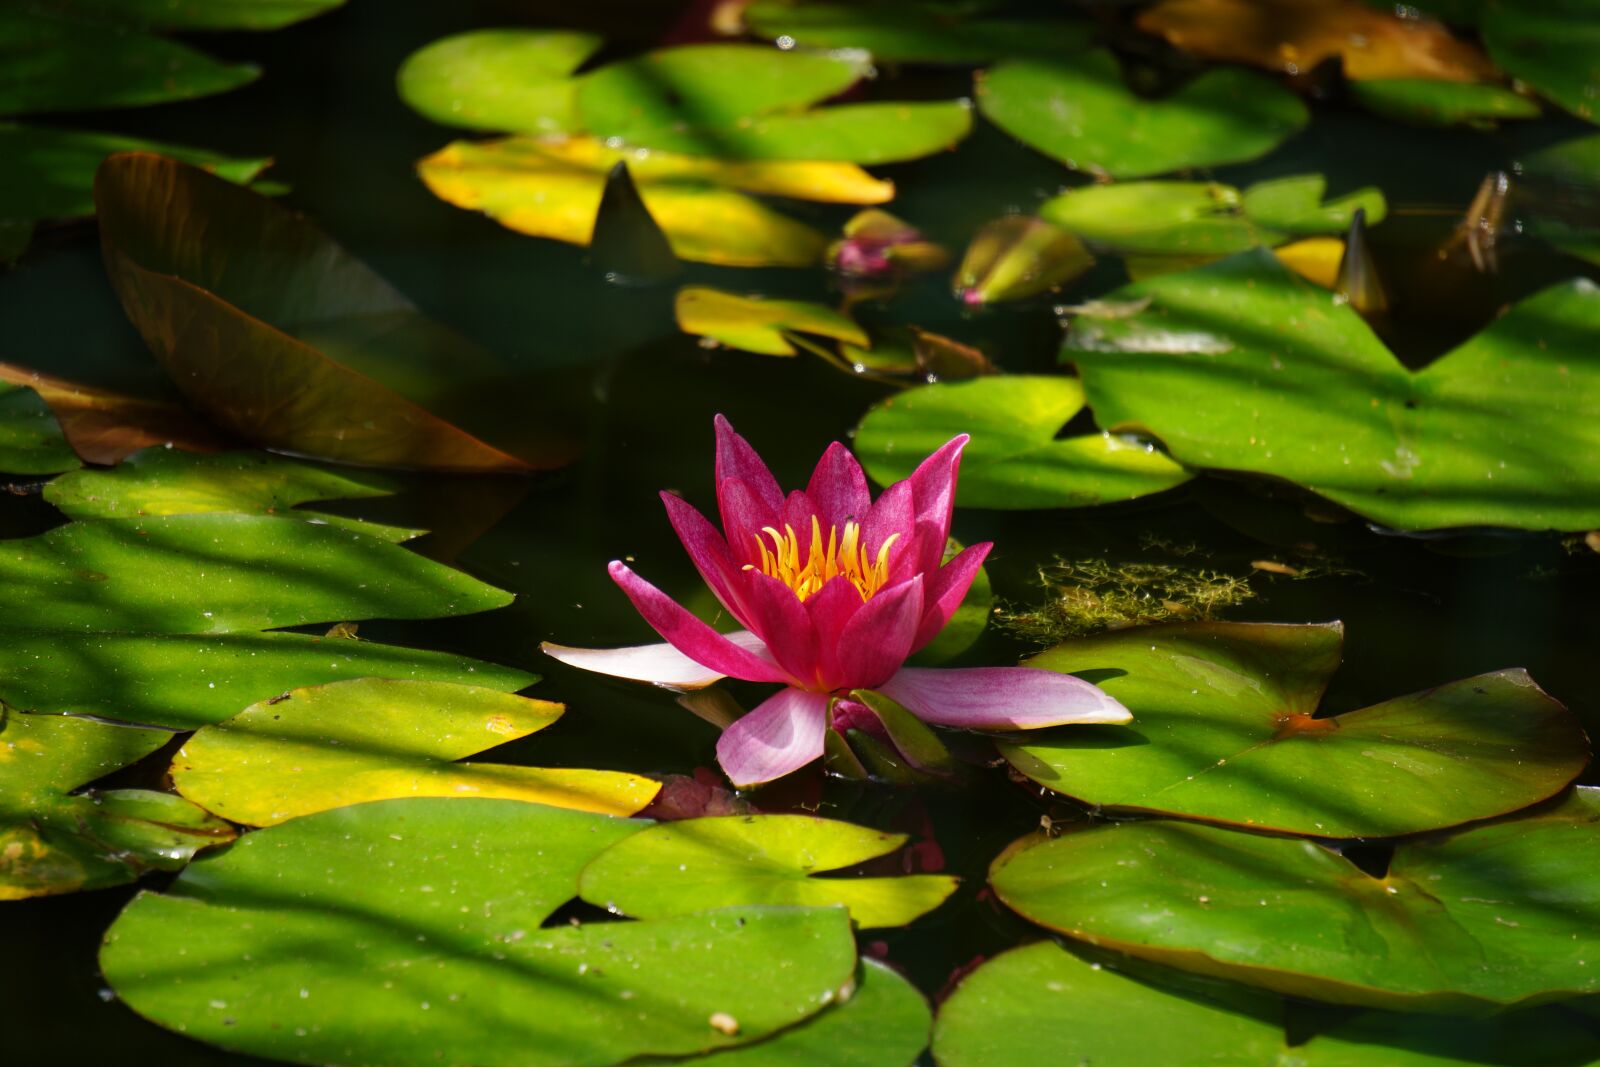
[[1243, 366], [1442, 103], [678, 868], [1550, 44], [213, 15], [164, 481], [755, 324], [1225, 730], [1014, 460], [1041, 1004], [1296, 35], [552, 188], [31, 441], [295, 945], [1496, 916], [54, 842], [106, 427], [376, 739], [1560, 194], [1079, 111], [512, 80], [918, 31], [1017, 257], [268, 326], [151, 620]]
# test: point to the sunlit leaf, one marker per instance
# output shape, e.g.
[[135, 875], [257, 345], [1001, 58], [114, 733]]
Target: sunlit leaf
[[1018, 256], [1295, 35], [1225, 730], [105, 427], [1427, 102], [1550, 44], [273, 330], [755, 324], [916, 31], [1015, 459], [1500, 915], [375, 739], [1041, 1004], [516, 81], [1079, 111], [31, 441], [678, 868], [52, 841], [552, 188], [426, 941], [1243, 366]]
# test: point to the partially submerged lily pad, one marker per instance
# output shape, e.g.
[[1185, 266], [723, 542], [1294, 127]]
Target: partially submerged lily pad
[[682, 867], [1079, 111], [757, 324], [375, 739], [297, 946], [1243, 366], [31, 441], [1015, 458], [1486, 918], [52, 841], [1226, 730]]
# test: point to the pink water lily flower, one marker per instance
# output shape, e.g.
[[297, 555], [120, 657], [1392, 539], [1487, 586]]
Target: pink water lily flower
[[835, 591]]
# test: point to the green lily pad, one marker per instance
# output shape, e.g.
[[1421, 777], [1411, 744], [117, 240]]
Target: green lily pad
[[1014, 460], [1080, 112], [52, 841], [375, 739], [1224, 731], [1430, 102], [511, 80], [425, 943], [1018, 256], [164, 481], [678, 868], [756, 324], [212, 15], [1041, 1004], [154, 619], [1501, 915], [1244, 366], [31, 441], [1559, 196], [919, 31], [1550, 44]]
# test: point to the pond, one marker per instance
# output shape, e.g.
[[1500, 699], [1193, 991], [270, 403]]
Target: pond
[[1272, 330]]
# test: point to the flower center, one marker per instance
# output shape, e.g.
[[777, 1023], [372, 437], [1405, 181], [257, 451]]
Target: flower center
[[842, 554]]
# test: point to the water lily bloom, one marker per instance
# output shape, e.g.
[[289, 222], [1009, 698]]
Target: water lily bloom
[[835, 591]]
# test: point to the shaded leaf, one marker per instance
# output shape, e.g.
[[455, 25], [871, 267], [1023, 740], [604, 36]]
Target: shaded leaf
[[374, 739], [105, 427], [1015, 459], [682, 867], [1017, 257], [913, 738], [1495, 916], [273, 947], [627, 245], [1243, 366], [31, 441], [968, 622], [1225, 731], [1079, 112], [918, 31], [54, 842], [1442, 103], [756, 324], [211, 15], [1550, 44]]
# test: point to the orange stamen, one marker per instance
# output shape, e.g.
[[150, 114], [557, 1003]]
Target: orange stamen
[[841, 555]]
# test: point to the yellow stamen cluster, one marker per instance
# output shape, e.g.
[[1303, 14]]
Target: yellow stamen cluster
[[841, 555]]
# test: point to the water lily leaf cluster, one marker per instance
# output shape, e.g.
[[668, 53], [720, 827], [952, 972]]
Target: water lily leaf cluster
[[1226, 729], [54, 841]]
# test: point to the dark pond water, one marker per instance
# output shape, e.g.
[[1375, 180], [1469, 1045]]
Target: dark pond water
[[1419, 611]]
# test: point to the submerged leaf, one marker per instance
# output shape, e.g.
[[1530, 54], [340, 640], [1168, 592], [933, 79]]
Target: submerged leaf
[[683, 867], [756, 324], [1017, 257]]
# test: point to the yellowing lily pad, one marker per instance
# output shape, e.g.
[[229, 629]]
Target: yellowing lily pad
[[681, 867], [553, 188], [1015, 459], [1018, 256], [375, 739], [1501, 915], [1225, 730], [52, 841], [412, 932], [756, 324]]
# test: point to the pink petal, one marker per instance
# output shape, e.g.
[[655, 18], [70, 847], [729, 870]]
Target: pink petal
[[1001, 698], [776, 615], [691, 636], [831, 608], [877, 639], [838, 488], [947, 586], [738, 462], [662, 664], [797, 513], [744, 516], [895, 513], [708, 551], [783, 734], [933, 487]]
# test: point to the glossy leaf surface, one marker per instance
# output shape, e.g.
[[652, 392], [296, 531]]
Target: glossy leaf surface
[[754, 324], [1224, 731], [443, 905], [681, 867]]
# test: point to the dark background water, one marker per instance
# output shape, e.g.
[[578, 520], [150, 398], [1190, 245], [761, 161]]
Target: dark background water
[[1418, 612]]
